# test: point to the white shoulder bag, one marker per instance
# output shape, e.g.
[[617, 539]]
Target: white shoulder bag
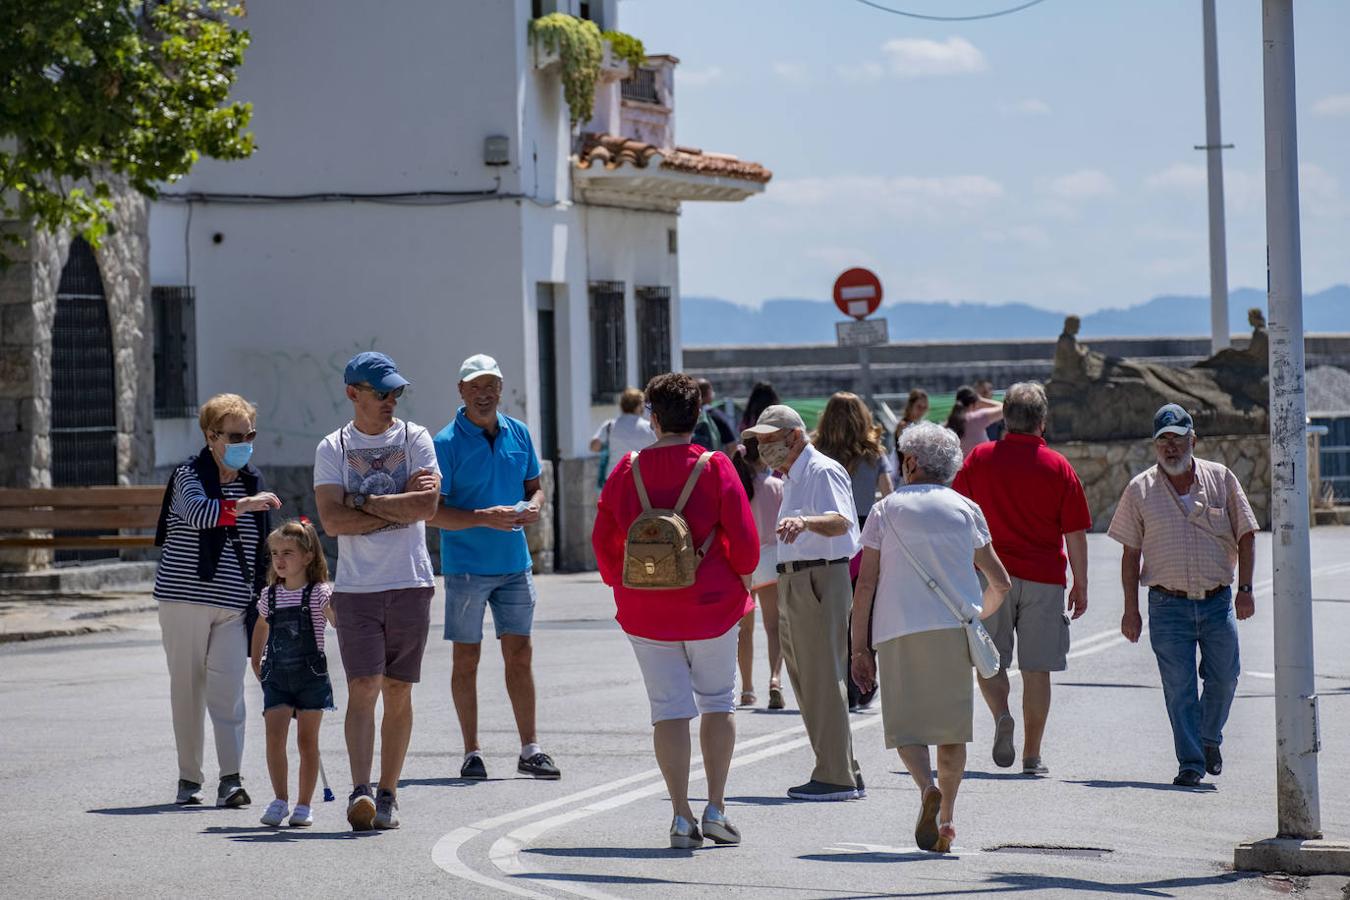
[[983, 653]]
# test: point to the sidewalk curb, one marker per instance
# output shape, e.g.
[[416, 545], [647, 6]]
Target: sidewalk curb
[[81, 623]]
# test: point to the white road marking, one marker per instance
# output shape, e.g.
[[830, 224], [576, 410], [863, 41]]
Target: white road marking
[[1259, 674]]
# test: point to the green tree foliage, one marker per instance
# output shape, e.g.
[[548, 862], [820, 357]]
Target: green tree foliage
[[92, 87]]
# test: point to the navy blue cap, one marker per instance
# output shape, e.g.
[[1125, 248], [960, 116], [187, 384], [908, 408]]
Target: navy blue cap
[[1172, 419], [374, 369]]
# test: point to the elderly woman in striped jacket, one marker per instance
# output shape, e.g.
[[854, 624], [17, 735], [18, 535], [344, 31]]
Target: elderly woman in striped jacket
[[215, 518]]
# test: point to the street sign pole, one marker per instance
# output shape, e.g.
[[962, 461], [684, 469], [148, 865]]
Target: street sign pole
[[1297, 848], [857, 293]]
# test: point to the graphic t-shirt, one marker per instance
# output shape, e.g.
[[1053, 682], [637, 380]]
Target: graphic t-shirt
[[394, 557]]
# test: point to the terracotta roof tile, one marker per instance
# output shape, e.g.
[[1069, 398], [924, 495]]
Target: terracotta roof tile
[[613, 151]]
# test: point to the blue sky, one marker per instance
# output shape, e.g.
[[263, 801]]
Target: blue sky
[[1044, 156]]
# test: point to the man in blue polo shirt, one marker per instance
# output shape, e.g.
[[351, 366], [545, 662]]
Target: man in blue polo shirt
[[489, 492]]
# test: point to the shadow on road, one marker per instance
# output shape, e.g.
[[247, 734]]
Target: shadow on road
[[1107, 684], [990, 776], [880, 856], [1146, 785], [452, 782], [154, 810], [265, 834], [612, 853], [762, 801]]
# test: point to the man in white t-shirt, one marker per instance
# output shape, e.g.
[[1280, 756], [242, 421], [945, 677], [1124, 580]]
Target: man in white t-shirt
[[625, 433], [376, 483]]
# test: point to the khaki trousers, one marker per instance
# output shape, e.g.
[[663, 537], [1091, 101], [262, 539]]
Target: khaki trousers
[[813, 607], [206, 651]]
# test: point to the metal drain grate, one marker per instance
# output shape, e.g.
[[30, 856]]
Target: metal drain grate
[[1052, 850]]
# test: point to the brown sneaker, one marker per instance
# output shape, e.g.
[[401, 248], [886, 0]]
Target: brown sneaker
[[361, 809]]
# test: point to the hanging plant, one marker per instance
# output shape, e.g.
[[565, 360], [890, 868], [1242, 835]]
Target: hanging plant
[[580, 49], [627, 48]]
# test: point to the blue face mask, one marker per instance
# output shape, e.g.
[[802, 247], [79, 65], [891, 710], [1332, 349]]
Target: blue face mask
[[237, 455]]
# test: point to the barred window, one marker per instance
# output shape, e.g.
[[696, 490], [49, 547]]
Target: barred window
[[175, 351], [653, 317], [641, 86], [609, 344]]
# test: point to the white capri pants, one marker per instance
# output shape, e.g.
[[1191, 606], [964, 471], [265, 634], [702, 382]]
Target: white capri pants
[[687, 678]]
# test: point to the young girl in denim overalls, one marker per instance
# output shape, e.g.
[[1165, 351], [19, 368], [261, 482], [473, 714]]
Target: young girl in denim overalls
[[292, 610]]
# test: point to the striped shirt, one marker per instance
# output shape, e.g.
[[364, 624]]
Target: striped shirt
[[190, 511], [287, 599], [1190, 545]]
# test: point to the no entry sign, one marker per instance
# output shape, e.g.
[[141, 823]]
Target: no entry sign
[[857, 293]]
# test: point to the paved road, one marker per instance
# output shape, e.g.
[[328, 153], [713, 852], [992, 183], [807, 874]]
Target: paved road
[[89, 765]]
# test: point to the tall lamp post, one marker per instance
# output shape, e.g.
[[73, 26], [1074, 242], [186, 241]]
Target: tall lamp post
[[1214, 147], [1298, 847]]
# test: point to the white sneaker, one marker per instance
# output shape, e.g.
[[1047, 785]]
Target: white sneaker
[[276, 813], [302, 817]]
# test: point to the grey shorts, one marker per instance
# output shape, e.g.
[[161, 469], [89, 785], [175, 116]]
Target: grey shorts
[[1035, 613]]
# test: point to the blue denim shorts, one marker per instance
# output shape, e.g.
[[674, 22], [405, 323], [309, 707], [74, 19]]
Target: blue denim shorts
[[297, 687], [511, 597]]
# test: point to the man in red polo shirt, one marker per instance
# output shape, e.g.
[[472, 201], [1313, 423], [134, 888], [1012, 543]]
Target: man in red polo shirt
[[1036, 508]]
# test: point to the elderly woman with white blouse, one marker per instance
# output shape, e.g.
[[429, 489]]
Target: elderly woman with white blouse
[[923, 662]]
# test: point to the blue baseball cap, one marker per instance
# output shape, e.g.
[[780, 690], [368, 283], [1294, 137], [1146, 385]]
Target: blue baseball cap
[[374, 369], [1172, 419]]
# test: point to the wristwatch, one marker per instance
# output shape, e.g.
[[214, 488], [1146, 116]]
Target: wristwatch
[[1244, 588], [358, 501]]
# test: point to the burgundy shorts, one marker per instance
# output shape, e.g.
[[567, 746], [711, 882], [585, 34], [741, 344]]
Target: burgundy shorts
[[383, 633]]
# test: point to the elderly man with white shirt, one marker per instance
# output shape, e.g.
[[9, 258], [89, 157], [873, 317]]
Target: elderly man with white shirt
[[817, 536]]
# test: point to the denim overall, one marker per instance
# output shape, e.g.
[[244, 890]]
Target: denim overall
[[294, 670]]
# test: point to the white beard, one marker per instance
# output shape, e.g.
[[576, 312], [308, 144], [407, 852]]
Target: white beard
[[1180, 467]]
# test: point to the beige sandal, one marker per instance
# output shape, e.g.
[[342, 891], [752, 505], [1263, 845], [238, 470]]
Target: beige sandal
[[748, 698], [946, 834]]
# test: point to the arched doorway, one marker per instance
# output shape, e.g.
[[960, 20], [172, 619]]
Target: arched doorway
[[84, 389]]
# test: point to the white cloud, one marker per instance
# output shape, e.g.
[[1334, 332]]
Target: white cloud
[[696, 78], [1319, 192], [843, 257], [1334, 105], [1029, 236], [861, 72], [1184, 177], [920, 57], [1028, 107], [1084, 184], [853, 198], [791, 72]]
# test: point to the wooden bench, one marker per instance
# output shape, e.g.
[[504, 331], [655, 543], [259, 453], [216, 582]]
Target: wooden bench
[[80, 509]]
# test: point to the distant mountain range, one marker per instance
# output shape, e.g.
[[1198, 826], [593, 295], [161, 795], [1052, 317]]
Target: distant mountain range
[[708, 321]]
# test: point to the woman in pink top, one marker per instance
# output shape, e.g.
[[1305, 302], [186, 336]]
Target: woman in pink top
[[971, 417], [765, 491], [684, 639]]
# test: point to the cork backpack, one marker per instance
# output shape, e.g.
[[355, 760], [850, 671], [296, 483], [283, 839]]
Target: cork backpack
[[659, 552]]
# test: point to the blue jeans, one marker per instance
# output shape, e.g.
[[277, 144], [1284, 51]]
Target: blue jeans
[[1176, 626]]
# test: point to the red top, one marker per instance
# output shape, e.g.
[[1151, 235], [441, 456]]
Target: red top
[[718, 598], [1031, 498]]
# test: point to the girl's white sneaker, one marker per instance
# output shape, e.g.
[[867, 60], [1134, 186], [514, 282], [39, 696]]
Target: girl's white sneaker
[[302, 817], [276, 813]]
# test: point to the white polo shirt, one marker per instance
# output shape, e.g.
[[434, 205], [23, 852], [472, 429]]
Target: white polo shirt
[[816, 485]]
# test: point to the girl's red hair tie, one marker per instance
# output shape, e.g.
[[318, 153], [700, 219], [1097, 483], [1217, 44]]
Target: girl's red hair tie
[[304, 520]]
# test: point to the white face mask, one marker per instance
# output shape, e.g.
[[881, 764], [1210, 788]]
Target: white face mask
[[775, 455]]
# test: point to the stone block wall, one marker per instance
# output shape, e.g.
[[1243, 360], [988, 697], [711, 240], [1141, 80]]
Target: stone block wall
[[577, 494], [27, 311], [1105, 468]]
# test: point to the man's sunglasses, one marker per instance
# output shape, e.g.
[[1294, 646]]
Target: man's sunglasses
[[381, 395], [237, 437]]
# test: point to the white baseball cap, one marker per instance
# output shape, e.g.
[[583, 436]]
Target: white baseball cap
[[477, 365]]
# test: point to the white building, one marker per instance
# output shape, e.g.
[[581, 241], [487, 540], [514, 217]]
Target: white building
[[418, 189]]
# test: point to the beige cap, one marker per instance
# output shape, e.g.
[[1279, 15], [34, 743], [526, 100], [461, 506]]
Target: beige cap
[[775, 418]]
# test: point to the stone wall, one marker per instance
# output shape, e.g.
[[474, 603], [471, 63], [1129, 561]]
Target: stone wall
[[1105, 469], [27, 311], [577, 494]]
